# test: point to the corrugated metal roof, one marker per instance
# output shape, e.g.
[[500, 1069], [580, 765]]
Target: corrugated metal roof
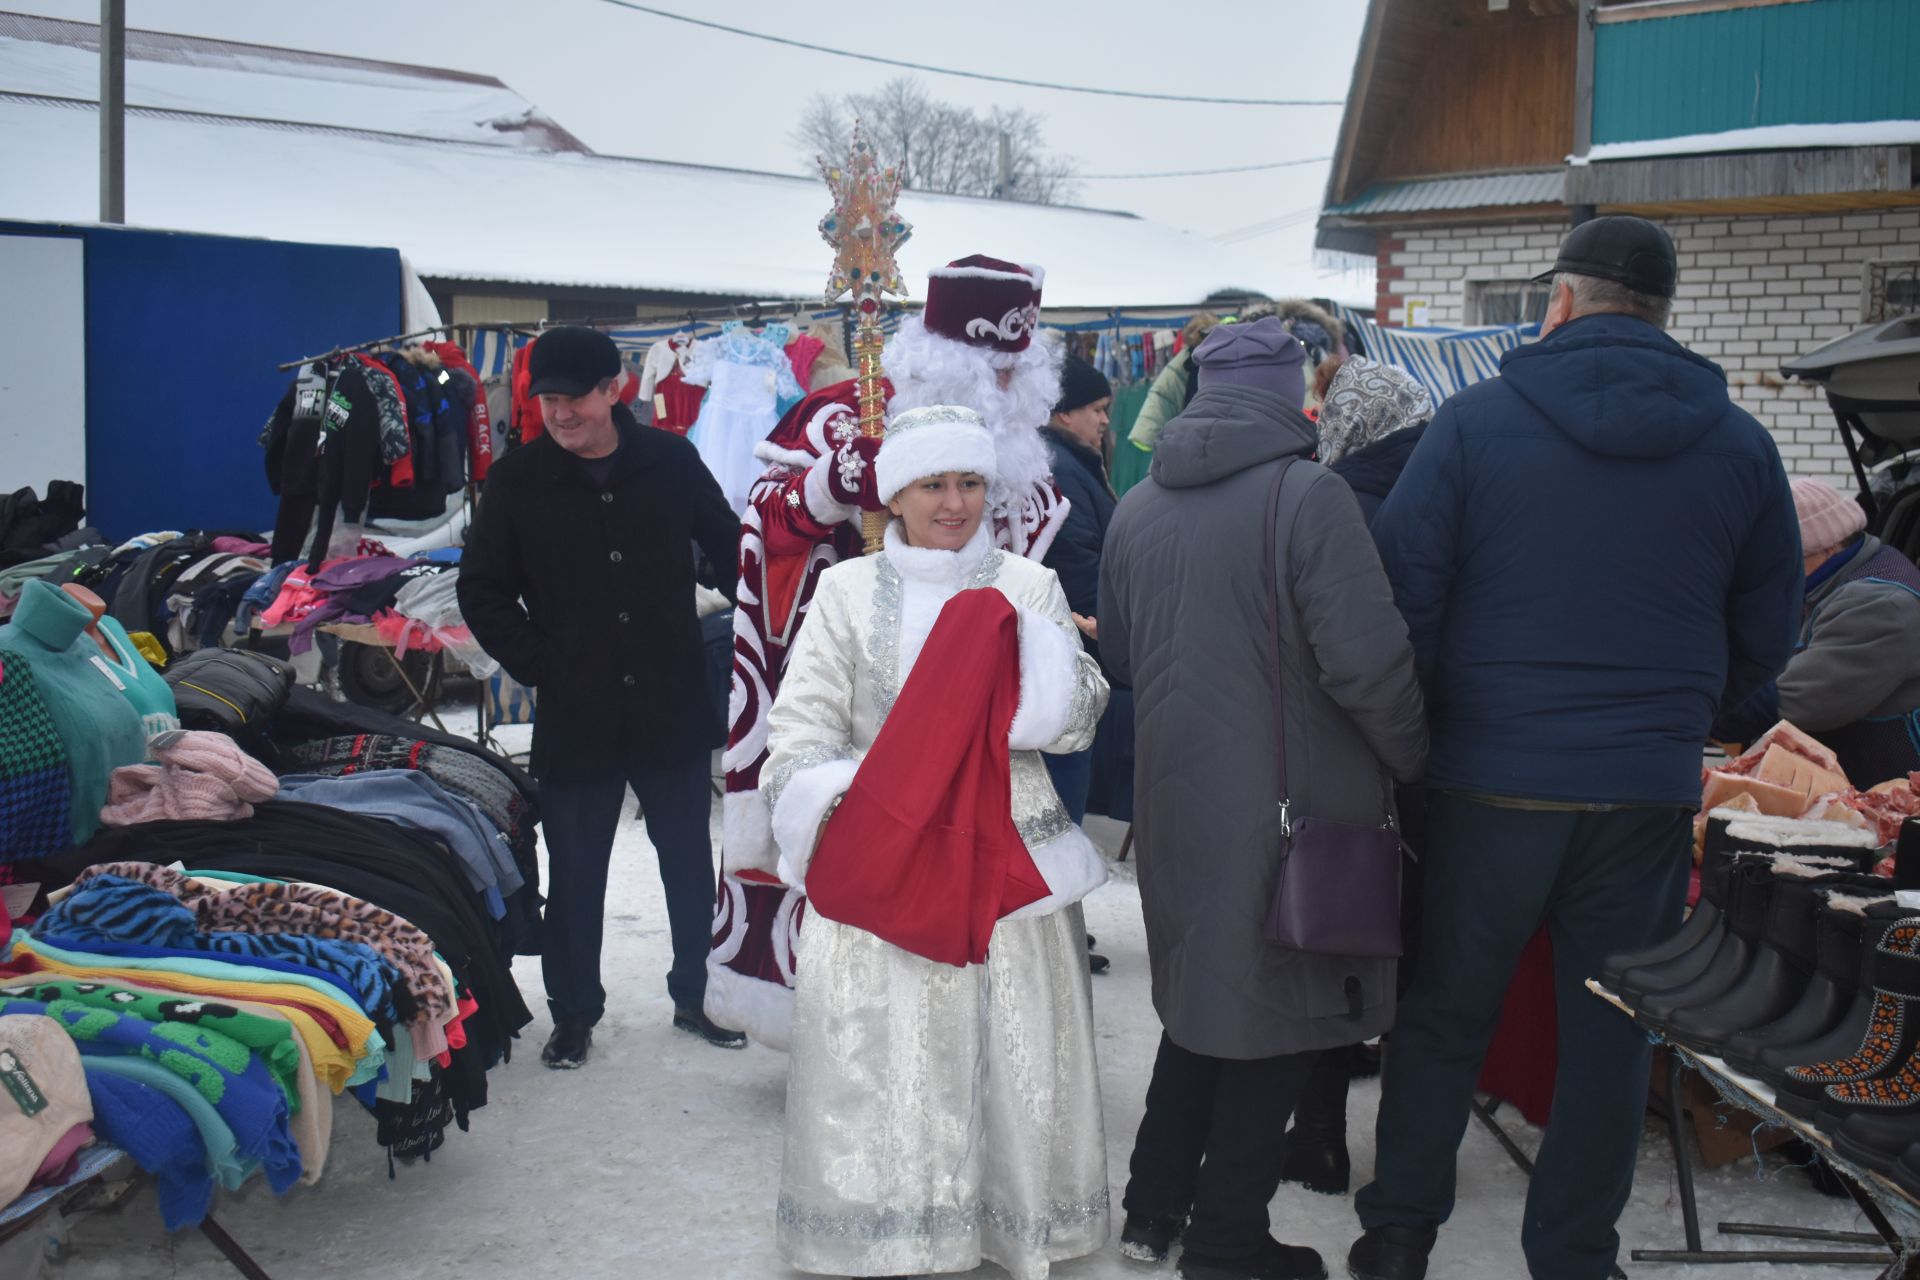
[[1492, 190]]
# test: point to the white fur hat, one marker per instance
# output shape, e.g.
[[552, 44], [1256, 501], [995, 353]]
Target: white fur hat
[[932, 441]]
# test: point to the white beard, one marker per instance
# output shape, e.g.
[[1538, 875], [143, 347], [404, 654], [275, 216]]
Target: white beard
[[928, 369]]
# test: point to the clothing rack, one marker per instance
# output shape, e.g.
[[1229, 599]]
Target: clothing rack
[[363, 346]]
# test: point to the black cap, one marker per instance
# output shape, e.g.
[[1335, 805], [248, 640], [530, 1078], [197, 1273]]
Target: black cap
[[570, 361], [1631, 251]]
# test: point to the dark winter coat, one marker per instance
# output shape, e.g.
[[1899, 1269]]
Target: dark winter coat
[[587, 594], [1593, 552], [1855, 682], [1075, 553], [1371, 472], [1183, 620]]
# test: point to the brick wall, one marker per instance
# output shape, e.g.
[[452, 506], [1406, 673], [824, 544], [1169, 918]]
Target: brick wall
[[1753, 292]]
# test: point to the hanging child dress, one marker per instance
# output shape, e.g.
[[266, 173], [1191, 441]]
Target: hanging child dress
[[749, 383]]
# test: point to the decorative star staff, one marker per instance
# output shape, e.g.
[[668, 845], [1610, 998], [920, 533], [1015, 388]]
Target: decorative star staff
[[865, 229]]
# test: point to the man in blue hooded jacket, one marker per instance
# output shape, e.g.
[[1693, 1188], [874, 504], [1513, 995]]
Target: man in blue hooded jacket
[[1593, 552]]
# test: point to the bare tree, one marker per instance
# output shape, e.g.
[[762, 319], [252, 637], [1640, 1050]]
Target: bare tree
[[942, 147]]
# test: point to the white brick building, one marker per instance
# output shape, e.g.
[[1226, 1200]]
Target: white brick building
[[1780, 248]]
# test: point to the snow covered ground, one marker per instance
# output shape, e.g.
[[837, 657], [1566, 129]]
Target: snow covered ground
[[661, 1158]]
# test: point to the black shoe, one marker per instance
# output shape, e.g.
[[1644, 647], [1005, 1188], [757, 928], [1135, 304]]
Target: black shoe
[[568, 1046], [1273, 1261], [1147, 1239], [1318, 1162], [1393, 1252], [698, 1023], [1097, 963]]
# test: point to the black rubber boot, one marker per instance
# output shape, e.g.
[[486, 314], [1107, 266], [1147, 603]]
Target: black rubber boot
[[1392, 1252], [1748, 894], [1147, 1239], [1781, 972], [1877, 1140], [1617, 972], [1273, 1261], [1316, 1151], [1822, 1006]]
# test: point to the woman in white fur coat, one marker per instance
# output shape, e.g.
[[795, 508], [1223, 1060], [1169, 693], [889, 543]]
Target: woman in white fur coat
[[938, 1116]]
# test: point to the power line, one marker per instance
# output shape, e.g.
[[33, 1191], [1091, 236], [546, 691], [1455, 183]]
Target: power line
[[1254, 231], [975, 75], [1203, 173]]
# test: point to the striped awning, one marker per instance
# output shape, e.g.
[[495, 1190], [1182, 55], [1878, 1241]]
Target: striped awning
[[1441, 360]]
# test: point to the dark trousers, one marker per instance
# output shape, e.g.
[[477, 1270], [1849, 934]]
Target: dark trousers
[[1211, 1144], [1072, 775], [580, 819], [1602, 882]]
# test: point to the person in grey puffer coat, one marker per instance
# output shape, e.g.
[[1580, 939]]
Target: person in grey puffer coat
[[1183, 619]]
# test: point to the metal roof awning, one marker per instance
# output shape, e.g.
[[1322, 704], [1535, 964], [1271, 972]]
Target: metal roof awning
[[1483, 191]]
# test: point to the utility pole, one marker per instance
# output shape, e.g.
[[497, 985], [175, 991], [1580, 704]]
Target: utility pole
[[113, 110], [1003, 189]]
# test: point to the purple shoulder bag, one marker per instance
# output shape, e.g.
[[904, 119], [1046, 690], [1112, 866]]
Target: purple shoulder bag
[[1339, 889]]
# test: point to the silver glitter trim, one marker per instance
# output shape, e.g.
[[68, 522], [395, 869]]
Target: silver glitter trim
[[1034, 1231], [808, 758], [1049, 824], [883, 646]]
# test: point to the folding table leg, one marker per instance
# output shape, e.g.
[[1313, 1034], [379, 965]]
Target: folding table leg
[[231, 1250]]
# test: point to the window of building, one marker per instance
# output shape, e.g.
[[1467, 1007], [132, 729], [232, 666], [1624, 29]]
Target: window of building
[[1506, 301], [1892, 289]]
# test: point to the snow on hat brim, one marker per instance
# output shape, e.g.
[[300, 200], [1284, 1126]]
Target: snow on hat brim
[[1827, 517], [930, 442]]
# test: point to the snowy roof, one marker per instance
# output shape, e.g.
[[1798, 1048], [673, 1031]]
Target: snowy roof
[[568, 219], [1773, 137], [61, 59]]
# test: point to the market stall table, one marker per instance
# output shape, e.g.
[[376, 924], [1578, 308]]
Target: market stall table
[[1894, 1215]]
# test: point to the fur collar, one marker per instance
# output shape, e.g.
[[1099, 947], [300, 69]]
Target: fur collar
[[949, 569]]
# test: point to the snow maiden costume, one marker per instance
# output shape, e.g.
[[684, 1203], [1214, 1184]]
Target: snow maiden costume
[[804, 517], [938, 1113]]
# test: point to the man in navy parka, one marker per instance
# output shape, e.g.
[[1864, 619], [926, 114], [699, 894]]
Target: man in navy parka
[[1594, 552]]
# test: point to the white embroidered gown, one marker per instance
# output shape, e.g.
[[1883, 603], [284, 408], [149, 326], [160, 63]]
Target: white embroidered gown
[[938, 1116]]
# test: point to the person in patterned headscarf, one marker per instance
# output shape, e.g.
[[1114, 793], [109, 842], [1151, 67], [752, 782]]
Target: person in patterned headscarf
[[1371, 417]]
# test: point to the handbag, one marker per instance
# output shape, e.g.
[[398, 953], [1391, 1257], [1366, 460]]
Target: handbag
[[1339, 888]]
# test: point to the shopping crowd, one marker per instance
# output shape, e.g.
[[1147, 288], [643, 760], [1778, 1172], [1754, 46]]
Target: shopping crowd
[[1500, 630]]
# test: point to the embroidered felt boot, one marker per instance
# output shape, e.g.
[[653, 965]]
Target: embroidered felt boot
[[1888, 1044], [1838, 923]]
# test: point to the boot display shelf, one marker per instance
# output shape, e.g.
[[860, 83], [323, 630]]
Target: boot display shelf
[[1894, 1215]]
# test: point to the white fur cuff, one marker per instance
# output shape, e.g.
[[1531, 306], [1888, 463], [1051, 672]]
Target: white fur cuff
[[1049, 669], [821, 503], [945, 441], [1072, 868], [796, 819]]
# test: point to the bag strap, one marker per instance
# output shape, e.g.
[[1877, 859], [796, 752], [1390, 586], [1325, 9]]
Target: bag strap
[[1271, 555]]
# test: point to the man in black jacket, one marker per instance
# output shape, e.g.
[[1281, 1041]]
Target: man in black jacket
[[1074, 435], [579, 578]]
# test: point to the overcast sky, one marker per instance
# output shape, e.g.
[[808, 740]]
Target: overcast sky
[[630, 83]]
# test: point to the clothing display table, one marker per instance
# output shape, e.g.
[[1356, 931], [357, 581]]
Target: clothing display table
[[1894, 1215], [96, 1166]]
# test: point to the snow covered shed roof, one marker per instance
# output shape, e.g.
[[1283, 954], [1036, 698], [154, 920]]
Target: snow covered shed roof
[[56, 58], [511, 214]]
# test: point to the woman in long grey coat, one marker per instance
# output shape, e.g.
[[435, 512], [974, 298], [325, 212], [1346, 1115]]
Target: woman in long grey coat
[[1183, 620]]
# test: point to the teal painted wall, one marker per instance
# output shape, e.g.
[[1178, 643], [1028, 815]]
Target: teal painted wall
[[1821, 62]]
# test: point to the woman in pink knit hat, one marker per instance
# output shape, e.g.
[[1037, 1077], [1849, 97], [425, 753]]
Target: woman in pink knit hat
[[1854, 681]]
